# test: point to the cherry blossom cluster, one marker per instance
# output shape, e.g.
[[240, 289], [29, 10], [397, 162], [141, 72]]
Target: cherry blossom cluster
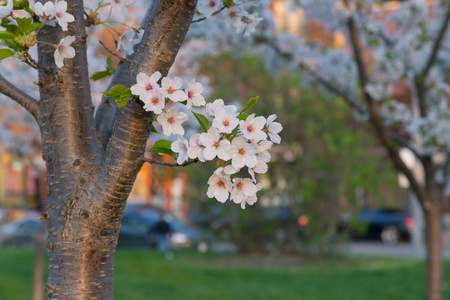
[[235, 13], [51, 14], [54, 11], [231, 138]]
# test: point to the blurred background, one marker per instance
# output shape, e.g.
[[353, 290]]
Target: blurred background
[[333, 221]]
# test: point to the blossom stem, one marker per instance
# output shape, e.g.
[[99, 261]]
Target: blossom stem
[[34, 64], [50, 44], [158, 162], [114, 53], [214, 13]]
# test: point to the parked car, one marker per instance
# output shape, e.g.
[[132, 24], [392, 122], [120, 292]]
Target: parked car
[[21, 233], [137, 229], [389, 225]]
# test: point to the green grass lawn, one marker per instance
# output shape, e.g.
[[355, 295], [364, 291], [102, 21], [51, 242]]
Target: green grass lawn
[[147, 275]]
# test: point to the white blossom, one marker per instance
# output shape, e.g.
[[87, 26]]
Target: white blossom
[[243, 188], [146, 85], [128, 39], [218, 103], [121, 5], [62, 16], [225, 121], [64, 50], [242, 153], [180, 146], [194, 94], [21, 13], [6, 10], [252, 199], [171, 122], [208, 7], [195, 149], [219, 187], [231, 15], [214, 145], [170, 88], [153, 102], [273, 129], [252, 127], [252, 21]]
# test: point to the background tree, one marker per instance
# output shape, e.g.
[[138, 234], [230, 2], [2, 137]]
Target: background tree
[[388, 50]]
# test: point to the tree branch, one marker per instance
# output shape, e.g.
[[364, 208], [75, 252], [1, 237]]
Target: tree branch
[[332, 88], [437, 45], [167, 24], [328, 85], [376, 120], [420, 79], [10, 90], [114, 53], [65, 109], [213, 14], [159, 162], [404, 143], [107, 110]]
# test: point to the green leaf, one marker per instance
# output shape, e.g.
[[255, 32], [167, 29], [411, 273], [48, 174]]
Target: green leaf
[[161, 150], [120, 94], [203, 121], [250, 103], [122, 100], [153, 129], [4, 53], [242, 117], [99, 75], [33, 27], [108, 72], [109, 63], [162, 146], [24, 23], [20, 4], [4, 35], [162, 143], [115, 91], [14, 45]]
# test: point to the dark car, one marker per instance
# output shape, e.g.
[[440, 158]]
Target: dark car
[[389, 225], [21, 233], [138, 225]]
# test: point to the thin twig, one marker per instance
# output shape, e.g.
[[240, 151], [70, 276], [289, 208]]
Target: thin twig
[[437, 45], [158, 162], [114, 53], [34, 64], [10, 90], [327, 84], [420, 79], [213, 14]]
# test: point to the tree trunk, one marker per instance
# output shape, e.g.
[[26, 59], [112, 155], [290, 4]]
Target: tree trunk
[[433, 253], [92, 165], [80, 271], [38, 275]]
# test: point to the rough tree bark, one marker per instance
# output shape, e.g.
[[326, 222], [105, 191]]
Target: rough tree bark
[[92, 163]]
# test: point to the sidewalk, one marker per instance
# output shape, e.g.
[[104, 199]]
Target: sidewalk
[[401, 250]]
